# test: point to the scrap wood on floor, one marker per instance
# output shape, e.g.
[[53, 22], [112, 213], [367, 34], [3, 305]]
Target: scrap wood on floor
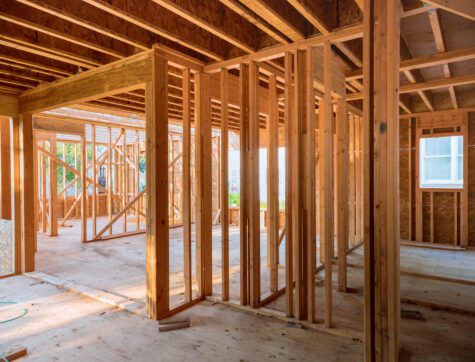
[[174, 323], [13, 353]]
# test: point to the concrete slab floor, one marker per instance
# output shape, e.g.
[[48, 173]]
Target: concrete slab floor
[[63, 326]]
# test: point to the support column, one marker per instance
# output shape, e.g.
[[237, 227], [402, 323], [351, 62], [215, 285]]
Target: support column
[[157, 243], [203, 184], [381, 178], [23, 193]]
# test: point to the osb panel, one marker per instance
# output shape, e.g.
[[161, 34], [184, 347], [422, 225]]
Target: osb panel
[[444, 217]]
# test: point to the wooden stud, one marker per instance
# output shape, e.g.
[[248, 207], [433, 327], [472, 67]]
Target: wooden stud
[[244, 202], [157, 243], [84, 192], [325, 144], [5, 170], [342, 191], [352, 187], [203, 185], [273, 184], [253, 182], [289, 278], [381, 179], [94, 181], [224, 185], [109, 179], [186, 186], [53, 189]]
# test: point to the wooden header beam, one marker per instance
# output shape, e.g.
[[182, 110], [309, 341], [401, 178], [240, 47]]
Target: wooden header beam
[[117, 77], [337, 36]]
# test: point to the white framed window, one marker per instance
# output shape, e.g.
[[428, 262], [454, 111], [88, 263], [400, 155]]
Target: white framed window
[[441, 162]]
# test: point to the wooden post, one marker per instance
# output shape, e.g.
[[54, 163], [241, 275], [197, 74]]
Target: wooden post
[[289, 278], [125, 179], [157, 243], [5, 170], [186, 186], [352, 192], [464, 194], [244, 199], [253, 182], [53, 189], [137, 177], [273, 184], [342, 190], [84, 202], [381, 179], [109, 179], [224, 185], [203, 185], [325, 144], [94, 182], [24, 227]]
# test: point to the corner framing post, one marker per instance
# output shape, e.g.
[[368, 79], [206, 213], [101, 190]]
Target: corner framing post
[[157, 237], [381, 179]]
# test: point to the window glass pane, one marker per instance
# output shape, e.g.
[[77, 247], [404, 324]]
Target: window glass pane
[[460, 145], [460, 168], [437, 168], [439, 146]]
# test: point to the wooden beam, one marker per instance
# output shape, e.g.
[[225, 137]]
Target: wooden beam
[[157, 237], [8, 105], [224, 177], [117, 77], [325, 163], [84, 192], [186, 186], [337, 36], [381, 179], [273, 185], [5, 170], [203, 174], [433, 60], [53, 188], [288, 105], [244, 197], [253, 182], [432, 84], [462, 8], [342, 134]]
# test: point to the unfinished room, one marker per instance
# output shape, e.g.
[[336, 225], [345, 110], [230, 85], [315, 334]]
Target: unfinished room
[[242, 180]]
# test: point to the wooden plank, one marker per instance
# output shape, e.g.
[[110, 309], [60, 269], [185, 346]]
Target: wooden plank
[[157, 237], [273, 184], [352, 187], [5, 170], [244, 201], [358, 180], [53, 188], [253, 182], [57, 126], [342, 191], [16, 192], [409, 179], [224, 185], [381, 179], [419, 206], [203, 184], [125, 179], [84, 193], [289, 279], [463, 8], [13, 353], [310, 249], [464, 195], [94, 181], [325, 144], [109, 179], [8, 105], [186, 186], [117, 77]]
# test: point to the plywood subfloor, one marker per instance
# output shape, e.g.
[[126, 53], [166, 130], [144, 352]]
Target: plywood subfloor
[[63, 326]]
